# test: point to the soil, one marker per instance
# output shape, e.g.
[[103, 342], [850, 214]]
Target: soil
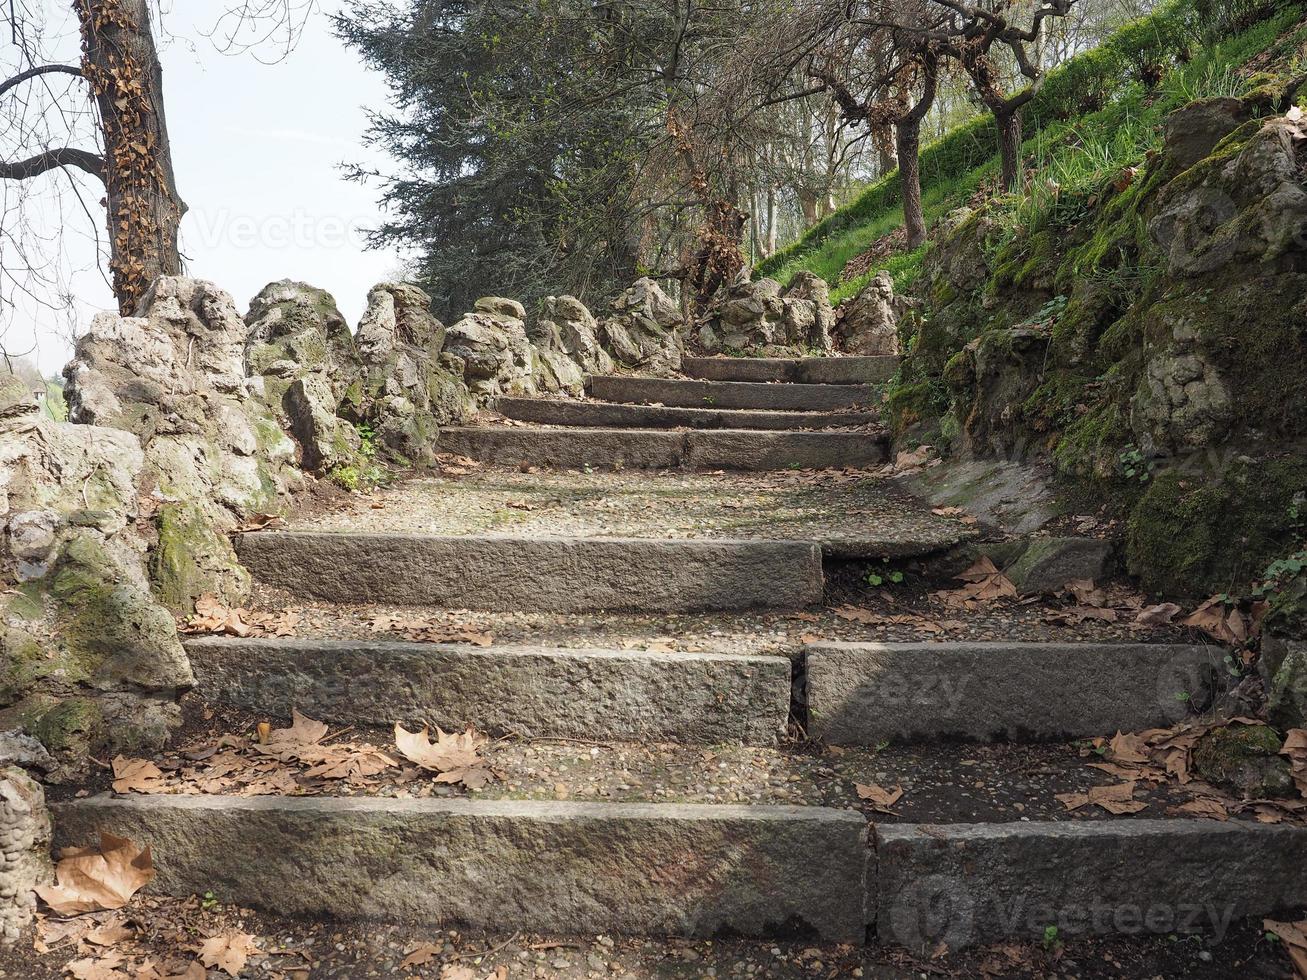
[[296, 950]]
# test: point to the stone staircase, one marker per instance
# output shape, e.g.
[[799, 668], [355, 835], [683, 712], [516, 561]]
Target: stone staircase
[[733, 413], [665, 862]]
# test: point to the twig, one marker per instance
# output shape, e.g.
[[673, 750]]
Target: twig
[[489, 952]]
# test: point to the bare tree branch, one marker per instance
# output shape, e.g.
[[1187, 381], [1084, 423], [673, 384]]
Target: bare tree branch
[[23, 76], [92, 163]]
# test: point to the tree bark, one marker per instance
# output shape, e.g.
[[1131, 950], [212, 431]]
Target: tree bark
[[907, 138], [121, 64], [1009, 147]]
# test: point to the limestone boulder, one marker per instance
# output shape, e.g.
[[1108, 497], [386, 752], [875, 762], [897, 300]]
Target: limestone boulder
[[643, 330], [407, 388], [175, 375], [567, 325], [761, 316], [304, 356], [495, 352], [25, 858], [868, 323], [809, 316], [87, 630]]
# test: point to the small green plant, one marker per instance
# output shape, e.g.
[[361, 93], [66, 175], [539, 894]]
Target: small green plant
[[1135, 465], [1052, 941], [876, 580], [879, 576], [209, 902]]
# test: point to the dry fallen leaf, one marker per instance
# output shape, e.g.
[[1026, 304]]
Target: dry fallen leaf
[[985, 583], [1294, 937], [1160, 615], [420, 956], [454, 758], [457, 971], [228, 951], [89, 879], [1229, 627], [136, 776], [879, 797]]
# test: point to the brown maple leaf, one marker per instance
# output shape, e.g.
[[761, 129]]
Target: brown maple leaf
[[228, 951], [454, 758], [88, 879]]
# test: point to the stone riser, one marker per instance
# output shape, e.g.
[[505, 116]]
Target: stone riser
[[532, 692], [803, 370], [731, 394], [863, 693], [593, 414], [703, 870], [722, 449], [537, 574]]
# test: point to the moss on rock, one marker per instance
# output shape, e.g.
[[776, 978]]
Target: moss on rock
[[1245, 760], [1194, 534]]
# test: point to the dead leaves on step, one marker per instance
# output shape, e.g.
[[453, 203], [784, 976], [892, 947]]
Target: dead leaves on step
[[228, 951], [213, 618], [1294, 937], [454, 758], [304, 759], [984, 583], [157, 938], [419, 629], [94, 879], [1164, 757], [877, 797]]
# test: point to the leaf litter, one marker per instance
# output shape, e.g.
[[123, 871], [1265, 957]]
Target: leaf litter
[[304, 759], [1164, 756]]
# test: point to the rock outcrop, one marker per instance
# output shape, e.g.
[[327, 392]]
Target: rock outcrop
[[868, 323], [643, 329], [758, 316], [492, 344], [407, 387], [90, 657]]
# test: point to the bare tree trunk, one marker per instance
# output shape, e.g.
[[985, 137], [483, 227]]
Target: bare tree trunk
[[771, 221], [121, 64], [808, 204], [1009, 147], [887, 160], [907, 137]]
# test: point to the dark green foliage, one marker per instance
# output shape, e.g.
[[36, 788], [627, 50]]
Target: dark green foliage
[[515, 134]]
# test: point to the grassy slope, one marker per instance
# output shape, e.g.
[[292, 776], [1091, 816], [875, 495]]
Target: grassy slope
[[1093, 117]]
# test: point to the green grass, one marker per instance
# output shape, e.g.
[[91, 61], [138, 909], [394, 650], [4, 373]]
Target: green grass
[[1093, 118]]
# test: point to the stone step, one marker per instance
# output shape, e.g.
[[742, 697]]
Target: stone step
[[553, 867], [553, 411], [528, 691], [803, 370], [720, 449], [704, 869], [864, 693], [964, 884], [547, 574], [681, 393]]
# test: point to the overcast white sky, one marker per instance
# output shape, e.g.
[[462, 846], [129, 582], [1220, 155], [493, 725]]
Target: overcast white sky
[[256, 148]]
